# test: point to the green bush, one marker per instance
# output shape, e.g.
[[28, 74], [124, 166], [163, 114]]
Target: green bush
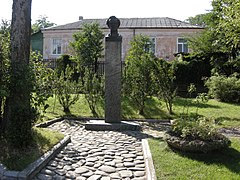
[[193, 128], [196, 134], [191, 69], [163, 77], [226, 89], [66, 89], [137, 83]]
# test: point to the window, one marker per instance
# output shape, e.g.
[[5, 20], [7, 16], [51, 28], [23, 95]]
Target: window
[[57, 46], [182, 45], [151, 46]]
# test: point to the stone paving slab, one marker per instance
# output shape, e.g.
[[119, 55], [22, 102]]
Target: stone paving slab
[[96, 155]]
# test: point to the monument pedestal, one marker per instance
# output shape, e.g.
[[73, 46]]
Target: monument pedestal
[[113, 73], [101, 125]]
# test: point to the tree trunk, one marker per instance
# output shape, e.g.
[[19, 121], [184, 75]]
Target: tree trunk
[[17, 113], [1, 127], [66, 110]]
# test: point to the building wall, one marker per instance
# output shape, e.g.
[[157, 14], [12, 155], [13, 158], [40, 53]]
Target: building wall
[[37, 42], [166, 40]]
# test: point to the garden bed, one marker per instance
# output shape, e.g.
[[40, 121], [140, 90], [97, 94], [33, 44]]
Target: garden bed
[[196, 145]]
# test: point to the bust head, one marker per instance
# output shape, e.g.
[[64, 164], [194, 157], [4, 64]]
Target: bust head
[[113, 24]]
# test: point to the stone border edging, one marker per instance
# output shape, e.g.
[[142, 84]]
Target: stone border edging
[[48, 123], [150, 170], [31, 170]]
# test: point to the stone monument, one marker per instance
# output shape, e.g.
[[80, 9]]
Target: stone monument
[[113, 73]]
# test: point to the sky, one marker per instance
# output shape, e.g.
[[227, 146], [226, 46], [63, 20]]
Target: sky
[[63, 12]]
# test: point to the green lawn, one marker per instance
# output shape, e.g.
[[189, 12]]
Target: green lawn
[[15, 159], [171, 164], [226, 114], [175, 165]]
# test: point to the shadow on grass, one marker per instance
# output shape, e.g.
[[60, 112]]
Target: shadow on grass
[[229, 157], [159, 126], [40, 140], [190, 102], [152, 110], [18, 159], [220, 120]]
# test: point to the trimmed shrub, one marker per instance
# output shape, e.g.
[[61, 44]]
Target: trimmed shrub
[[226, 89], [192, 69]]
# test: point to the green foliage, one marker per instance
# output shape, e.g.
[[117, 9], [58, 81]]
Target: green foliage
[[220, 42], [5, 27], [193, 68], [226, 89], [4, 63], [62, 63], [18, 108], [4, 56], [195, 127], [192, 128], [228, 26], [19, 159], [200, 19], [41, 23], [66, 89], [163, 77], [88, 45], [93, 89], [138, 83], [43, 82]]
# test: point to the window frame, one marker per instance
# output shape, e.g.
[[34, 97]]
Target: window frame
[[56, 45], [151, 47], [184, 45]]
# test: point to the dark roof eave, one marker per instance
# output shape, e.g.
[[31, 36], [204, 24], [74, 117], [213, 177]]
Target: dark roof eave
[[163, 28], [128, 28], [66, 29]]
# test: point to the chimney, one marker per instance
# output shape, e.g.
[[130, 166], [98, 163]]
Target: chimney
[[80, 18]]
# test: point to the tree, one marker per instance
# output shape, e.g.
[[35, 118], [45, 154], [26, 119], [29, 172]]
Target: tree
[[93, 89], [219, 42], [67, 90], [18, 113], [4, 64], [43, 82], [5, 27], [138, 82], [41, 23], [200, 20], [163, 78], [88, 46], [228, 12]]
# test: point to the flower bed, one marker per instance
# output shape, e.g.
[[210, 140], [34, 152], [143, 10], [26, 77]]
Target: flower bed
[[196, 145], [195, 134]]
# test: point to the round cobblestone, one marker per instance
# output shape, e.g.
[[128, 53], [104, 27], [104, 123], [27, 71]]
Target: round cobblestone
[[96, 155]]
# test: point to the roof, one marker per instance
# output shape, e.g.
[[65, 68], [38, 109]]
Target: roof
[[131, 23]]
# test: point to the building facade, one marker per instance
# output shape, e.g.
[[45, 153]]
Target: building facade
[[167, 35], [37, 42]]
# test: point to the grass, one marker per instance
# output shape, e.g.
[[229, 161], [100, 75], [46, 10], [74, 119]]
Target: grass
[[226, 114], [171, 164], [168, 164], [18, 159]]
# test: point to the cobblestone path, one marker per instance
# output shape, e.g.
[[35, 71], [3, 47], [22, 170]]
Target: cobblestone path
[[96, 155]]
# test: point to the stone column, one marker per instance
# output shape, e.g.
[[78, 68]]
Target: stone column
[[113, 72]]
